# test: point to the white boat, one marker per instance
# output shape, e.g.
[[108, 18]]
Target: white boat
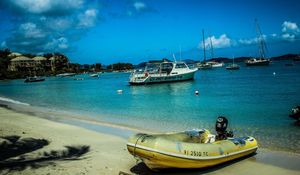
[[66, 75], [161, 72], [233, 66], [94, 75], [257, 62], [215, 64], [34, 79], [204, 65]]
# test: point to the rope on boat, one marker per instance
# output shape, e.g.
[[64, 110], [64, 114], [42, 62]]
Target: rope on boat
[[136, 158]]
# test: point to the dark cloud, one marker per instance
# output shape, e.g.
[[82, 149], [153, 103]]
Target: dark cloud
[[42, 7], [41, 26]]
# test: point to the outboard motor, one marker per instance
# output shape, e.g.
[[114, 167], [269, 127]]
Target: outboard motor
[[221, 126]]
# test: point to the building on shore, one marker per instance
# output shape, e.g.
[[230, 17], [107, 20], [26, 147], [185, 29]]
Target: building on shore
[[21, 62]]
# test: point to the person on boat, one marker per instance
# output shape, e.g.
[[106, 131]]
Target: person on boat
[[221, 126]]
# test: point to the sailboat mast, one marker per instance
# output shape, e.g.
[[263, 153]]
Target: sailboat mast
[[180, 52], [261, 44], [203, 44], [211, 48]]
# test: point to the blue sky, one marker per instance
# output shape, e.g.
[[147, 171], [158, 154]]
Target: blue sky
[[108, 31]]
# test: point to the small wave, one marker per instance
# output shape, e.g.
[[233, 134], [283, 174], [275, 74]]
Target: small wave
[[13, 101]]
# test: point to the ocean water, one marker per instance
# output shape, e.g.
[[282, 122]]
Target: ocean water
[[254, 99]]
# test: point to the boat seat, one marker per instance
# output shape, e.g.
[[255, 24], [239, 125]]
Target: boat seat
[[200, 136]]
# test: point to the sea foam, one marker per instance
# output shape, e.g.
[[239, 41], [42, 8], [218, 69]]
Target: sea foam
[[13, 101]]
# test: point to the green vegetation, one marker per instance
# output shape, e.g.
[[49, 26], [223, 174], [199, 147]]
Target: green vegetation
[[120, 66], [54, 63], [4, 62], [50, 64]]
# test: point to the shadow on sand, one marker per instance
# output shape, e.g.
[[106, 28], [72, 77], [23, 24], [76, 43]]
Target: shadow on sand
[[13, 152], [142, 169]]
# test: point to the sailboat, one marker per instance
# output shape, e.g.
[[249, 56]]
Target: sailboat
[[204, 65], [214, 64], [233, 66], [261, 61]]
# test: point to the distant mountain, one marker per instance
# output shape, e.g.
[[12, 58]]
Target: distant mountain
[[286, 57], [229, 60], [189, 61], [225, 60]]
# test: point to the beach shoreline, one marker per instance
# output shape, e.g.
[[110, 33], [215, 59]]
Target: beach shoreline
[[108, 153], [85, 121]]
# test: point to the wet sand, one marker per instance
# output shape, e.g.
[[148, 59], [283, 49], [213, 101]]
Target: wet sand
[[71, 148]]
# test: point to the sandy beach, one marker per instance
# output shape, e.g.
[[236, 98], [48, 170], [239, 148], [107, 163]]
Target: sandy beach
[[45, 147]]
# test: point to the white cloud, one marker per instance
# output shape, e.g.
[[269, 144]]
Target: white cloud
[[290, 31], [247, 41], [30, 30], [63, 43], [222, 42], [289, 37], [88, 18], [48, 25], [44, 6], [58, 24], [57, 44], [290, 27], [139, 6], [252, 41]]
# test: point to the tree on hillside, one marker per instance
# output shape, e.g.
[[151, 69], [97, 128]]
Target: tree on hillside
[[120, 66], [98, 67], [48, 55], [61, 62], [4, 62]]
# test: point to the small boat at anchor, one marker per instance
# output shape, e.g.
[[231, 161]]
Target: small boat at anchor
[[233, 66], [261, 61], [161, 72], [189, 149], [34, 79], [257, 62], [215, 64], [204, 65], [66, 75], [94, 75]]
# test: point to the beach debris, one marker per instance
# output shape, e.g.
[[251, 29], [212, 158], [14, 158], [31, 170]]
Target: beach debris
[[119, 91], [274, 73]]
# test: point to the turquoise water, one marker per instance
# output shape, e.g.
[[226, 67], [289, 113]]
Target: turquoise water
[[256, 101]]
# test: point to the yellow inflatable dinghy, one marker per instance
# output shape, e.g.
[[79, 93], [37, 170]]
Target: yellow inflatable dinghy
[[188, 149]]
